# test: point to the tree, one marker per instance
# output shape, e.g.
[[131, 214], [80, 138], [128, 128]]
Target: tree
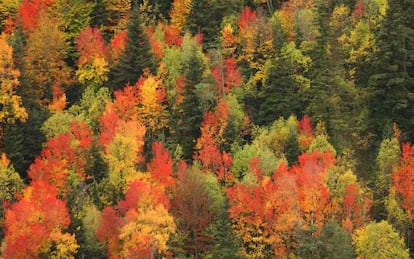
[[402, 180], [284, 83], [152, 109], [143, 225], [30, 11], [74, 16], [194, 210], [62, 162], [206, 16], [180, 9], [336, 242], [391, 81], [35, 225], [11, 109], [44, 61], [265, 214], [379, 240], [161, 166], [93, 62], [11, 186], [388, 157], [136, 57], [187, 112]]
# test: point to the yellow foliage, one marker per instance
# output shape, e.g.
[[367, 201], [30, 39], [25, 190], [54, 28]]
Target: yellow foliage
[[149, 226], [95, 73], [44, 59], [10, 103], [65, 245], [124, 152], [151, 110], [179, 12]]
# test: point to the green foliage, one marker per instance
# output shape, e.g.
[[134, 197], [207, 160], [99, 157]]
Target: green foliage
[[23, 141], [388, 157], [336, 242], [188, 114], [91, 106], [74, 16], [283, 85], [391, 81], [206, 17], [379, 240], [321, 144], [90, 247], [56, 124], [136, 57]]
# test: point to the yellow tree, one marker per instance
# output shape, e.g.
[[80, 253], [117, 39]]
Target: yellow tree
[[179, 12], [10, 103], [151, 109], [140, 226], [44, 59]]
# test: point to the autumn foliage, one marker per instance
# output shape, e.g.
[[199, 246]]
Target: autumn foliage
[[36, 222]]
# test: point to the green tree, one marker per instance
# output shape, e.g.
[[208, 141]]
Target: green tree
[[388, 157], [188, 113], [336, 242], [206, 17], [137, 55], [391, 84], [284, 82], [332, 98], [379, 240]]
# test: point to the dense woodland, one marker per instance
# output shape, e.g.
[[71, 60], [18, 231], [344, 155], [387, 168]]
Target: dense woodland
[[206, 128]]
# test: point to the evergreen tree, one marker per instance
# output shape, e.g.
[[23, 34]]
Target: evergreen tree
[[206, 17], [333, 98], [391, 85], [137, 55], [284, 83], [189, 114]]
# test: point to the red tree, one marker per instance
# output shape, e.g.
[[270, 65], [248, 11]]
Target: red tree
[[33, 222], [403, 179]]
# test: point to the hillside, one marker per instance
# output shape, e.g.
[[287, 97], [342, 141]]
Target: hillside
[[206, 129]]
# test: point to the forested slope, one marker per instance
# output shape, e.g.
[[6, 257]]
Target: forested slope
[[206, 128]]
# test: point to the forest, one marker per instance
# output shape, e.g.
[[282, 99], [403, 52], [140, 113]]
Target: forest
[[206, 129]]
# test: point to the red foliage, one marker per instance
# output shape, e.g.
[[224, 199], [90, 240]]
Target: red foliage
[[126, 101], [91, 44], [228, 76], [156, 45], [118, 44], [161, 166], [63, 153], [199, 38], [108, 230], [194, 211], [172, 36], [139, 195], [305, 132], [269, 207], [209, 154], [108, 123], [30, 222], [247, 17], [403, 180], [29, 11], [314, 198], [358, 9]]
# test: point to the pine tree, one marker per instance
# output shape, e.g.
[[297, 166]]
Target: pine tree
[[189, 111], [137, 55], [284, 83], [392, 82]]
